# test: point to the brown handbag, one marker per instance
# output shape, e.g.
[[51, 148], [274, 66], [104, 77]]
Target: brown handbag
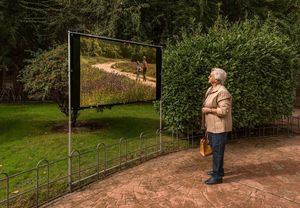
[[205, 148]]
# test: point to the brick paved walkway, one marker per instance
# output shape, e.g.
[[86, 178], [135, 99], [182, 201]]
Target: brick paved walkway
[[296, 112], [259, 173]]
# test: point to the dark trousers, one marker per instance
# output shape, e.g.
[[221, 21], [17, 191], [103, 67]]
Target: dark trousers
[[144, 74], [217, 142]]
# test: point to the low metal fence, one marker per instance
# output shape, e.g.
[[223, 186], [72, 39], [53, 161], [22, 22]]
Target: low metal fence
[[49, 180]]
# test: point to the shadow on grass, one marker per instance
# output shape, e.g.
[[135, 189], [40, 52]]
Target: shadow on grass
[[126, 126], [14, 129], [115, 127]]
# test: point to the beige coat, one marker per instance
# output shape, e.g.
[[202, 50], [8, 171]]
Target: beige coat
[[220, 99]]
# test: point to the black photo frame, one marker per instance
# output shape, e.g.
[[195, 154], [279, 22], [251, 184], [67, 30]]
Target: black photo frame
[[75, 69]]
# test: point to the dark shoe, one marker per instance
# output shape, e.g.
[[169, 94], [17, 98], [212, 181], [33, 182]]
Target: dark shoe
[[212, 173], [213, 181]]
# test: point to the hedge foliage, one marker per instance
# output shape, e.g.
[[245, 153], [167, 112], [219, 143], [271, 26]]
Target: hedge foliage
[[109, 49], [261, 66], [46, 76]]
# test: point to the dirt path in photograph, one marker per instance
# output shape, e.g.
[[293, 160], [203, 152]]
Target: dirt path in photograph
[[107, 67]]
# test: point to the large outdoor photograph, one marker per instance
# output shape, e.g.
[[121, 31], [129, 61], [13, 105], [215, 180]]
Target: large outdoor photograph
[[114, 72]]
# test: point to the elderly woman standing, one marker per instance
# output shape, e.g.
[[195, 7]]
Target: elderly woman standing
[[217, 119]]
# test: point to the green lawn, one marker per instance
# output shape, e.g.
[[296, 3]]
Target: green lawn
[[27, 135]]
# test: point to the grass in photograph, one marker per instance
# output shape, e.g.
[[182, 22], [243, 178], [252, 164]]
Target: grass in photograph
[[104, 88], [91, 60], [99, 87]]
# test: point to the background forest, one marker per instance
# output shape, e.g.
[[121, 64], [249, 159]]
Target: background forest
[[34, 35], [28, 26]]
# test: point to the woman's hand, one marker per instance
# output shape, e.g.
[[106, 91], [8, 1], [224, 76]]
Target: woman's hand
[[206, 110]]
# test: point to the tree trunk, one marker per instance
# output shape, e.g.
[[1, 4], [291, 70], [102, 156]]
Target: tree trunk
[[74, 116]]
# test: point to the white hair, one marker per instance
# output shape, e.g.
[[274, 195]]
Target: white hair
[[220, 74]]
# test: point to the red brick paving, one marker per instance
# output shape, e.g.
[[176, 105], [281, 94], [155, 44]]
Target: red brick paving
[[258, 173]]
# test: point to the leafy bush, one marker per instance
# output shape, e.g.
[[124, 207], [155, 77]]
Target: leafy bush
[[46, 77], [261, 65]]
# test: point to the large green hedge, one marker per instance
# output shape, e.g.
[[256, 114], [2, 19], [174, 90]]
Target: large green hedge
[[261, 65]]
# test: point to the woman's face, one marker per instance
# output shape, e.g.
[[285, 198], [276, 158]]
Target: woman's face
[[211, 78]]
